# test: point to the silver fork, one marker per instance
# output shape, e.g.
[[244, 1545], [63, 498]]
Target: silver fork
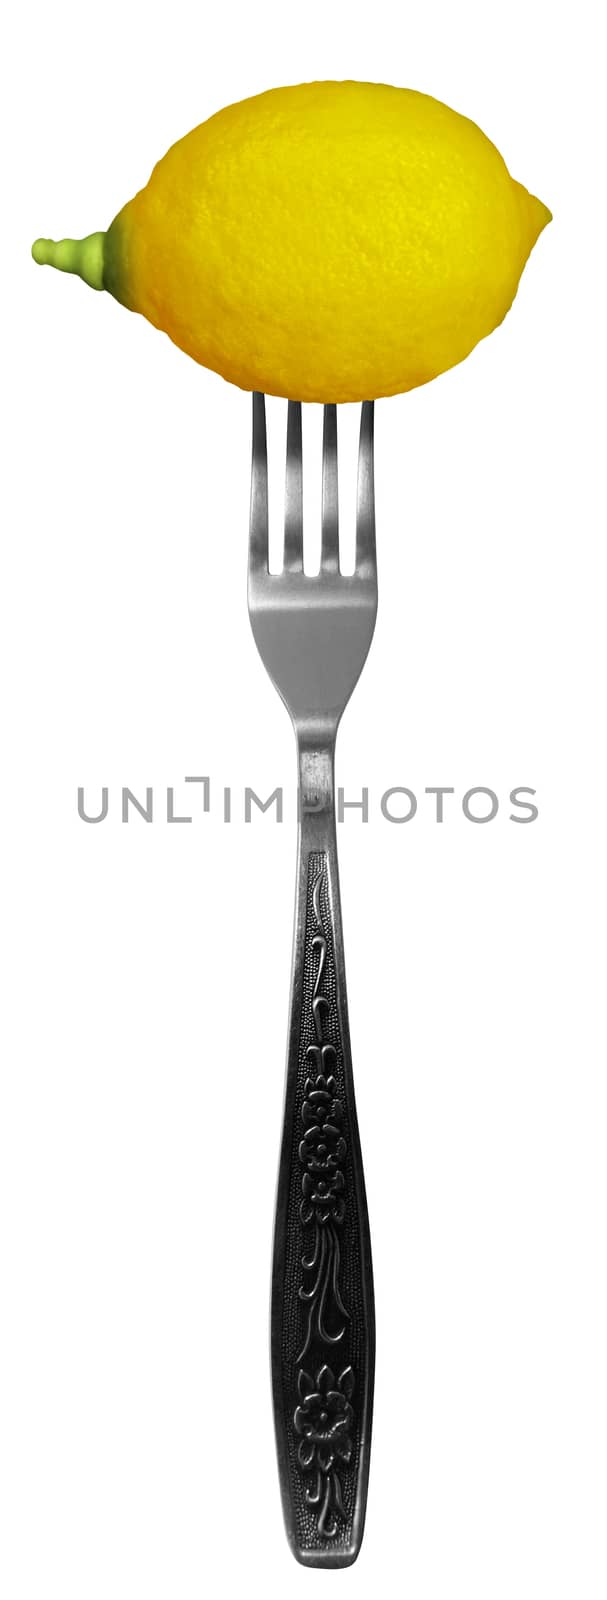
[[313, 634]]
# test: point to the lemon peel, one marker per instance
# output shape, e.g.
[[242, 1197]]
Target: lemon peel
[[331, 241]]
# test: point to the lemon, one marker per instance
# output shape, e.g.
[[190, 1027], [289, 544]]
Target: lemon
[[327, 241]]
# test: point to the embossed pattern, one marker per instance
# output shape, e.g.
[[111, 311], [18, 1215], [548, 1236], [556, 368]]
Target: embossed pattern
[[320, 1365]]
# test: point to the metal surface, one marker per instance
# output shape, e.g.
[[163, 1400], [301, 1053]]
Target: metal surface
[[313, 634]]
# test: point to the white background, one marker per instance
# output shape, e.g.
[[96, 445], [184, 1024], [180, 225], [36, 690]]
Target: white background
[[146, 968]]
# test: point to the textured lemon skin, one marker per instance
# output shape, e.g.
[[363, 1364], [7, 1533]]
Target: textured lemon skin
[[326, 242]]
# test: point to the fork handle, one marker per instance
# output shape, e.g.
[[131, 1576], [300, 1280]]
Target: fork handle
[[323, 1323]]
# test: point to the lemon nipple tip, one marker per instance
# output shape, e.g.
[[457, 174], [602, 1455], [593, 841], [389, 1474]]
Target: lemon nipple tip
[[81, 256]]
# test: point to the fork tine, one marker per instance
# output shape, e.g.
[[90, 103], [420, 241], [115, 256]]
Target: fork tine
[[293, 548], [365, 497], [258, 524], [329, 559]]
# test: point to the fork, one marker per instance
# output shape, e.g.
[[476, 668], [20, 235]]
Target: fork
[[313, 634]]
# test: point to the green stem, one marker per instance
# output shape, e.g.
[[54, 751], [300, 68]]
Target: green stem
[[83, 256]]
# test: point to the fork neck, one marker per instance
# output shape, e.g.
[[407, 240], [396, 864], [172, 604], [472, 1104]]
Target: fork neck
[[316, 756]]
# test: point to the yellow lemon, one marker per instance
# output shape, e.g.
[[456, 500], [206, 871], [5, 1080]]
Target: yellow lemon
[[328, 241]]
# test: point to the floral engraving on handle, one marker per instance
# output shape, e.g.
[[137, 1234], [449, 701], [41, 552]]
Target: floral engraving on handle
[[324, 1419]]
